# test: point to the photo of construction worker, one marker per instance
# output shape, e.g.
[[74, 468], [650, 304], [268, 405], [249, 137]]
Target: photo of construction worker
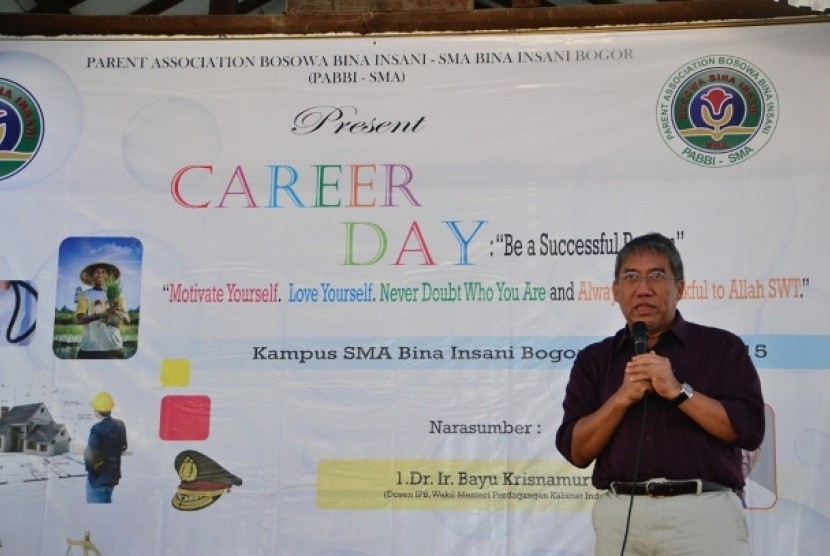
[[102, 456]]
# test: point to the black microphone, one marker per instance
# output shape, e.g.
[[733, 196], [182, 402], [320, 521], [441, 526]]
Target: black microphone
[[639, 333]]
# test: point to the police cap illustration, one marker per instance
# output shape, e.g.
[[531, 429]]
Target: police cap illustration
[[203, 481]]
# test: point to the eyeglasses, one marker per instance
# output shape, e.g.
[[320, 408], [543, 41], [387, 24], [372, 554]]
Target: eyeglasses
[[652, 278]]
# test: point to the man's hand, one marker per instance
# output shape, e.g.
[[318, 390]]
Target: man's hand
[[649, 372]]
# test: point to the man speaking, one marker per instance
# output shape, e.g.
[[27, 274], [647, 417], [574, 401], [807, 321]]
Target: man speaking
[[663, 408]]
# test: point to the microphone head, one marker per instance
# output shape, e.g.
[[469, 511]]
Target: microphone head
[[639, 333]]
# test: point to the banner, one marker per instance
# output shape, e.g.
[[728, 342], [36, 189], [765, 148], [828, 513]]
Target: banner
[[333, 287]]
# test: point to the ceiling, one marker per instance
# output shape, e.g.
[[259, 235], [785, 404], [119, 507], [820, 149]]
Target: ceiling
[[303, 17]]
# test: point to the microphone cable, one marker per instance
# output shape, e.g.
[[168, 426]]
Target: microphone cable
[[636, 471]]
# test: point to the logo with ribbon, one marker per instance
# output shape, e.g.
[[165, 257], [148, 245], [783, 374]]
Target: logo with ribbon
[[717, 111], [21, 128]]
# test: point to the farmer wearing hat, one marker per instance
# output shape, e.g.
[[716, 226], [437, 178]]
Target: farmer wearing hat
[[102, 456], [101, 310]]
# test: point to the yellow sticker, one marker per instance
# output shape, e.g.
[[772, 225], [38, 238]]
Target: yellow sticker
[[175, 372], [425, 484]]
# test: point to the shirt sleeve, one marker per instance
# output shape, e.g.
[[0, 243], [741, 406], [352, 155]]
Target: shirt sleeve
[[83, 305], [581, 398], [122, 429], [742, 398], [92, 454]]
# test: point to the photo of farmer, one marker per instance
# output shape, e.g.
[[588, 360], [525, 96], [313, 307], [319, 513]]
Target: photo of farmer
[[101, 309], [97, 310]]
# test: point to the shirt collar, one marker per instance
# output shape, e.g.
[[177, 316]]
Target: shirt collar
[[679, 329]]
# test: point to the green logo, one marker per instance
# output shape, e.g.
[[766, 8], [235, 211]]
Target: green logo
[[21, 128], [717, 111]]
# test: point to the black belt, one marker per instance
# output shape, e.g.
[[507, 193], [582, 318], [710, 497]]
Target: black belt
[[663, 487]]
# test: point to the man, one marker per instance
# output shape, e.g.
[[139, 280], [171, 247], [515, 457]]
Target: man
[[682, 412], [102, 310], [102, 457]]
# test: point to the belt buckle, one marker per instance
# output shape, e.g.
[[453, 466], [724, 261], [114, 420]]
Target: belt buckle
[[650, 483]]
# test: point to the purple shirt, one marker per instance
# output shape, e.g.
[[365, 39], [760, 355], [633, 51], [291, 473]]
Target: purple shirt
[[714, 362]]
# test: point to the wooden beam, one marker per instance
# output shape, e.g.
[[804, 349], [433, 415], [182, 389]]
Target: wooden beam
[[409, 22], [361, 6]]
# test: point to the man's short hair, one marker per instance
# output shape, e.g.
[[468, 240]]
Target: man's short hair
[[656, 243]]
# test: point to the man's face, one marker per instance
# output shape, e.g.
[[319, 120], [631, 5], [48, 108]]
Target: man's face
[[100, 275], [650, 293]]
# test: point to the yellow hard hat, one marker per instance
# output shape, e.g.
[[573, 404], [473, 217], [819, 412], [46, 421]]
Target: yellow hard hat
[[102, 402]]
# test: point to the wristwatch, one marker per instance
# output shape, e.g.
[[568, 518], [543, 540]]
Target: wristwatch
[[686, 392]]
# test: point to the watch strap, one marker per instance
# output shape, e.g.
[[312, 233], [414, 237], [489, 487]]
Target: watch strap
[[686, 392]]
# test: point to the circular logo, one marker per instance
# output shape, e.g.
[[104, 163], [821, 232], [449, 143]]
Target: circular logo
[[21, 128], [717, 111]]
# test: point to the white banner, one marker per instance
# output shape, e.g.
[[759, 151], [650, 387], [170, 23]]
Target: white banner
[[347, 277]]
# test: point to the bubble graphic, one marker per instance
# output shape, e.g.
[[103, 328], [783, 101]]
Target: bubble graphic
[[167, 135], [812, 447], [59, 102]]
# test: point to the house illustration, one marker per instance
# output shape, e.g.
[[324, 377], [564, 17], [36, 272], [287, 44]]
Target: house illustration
[[30, 429]]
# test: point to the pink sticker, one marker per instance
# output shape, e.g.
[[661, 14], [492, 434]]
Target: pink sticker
[[184, 418]]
